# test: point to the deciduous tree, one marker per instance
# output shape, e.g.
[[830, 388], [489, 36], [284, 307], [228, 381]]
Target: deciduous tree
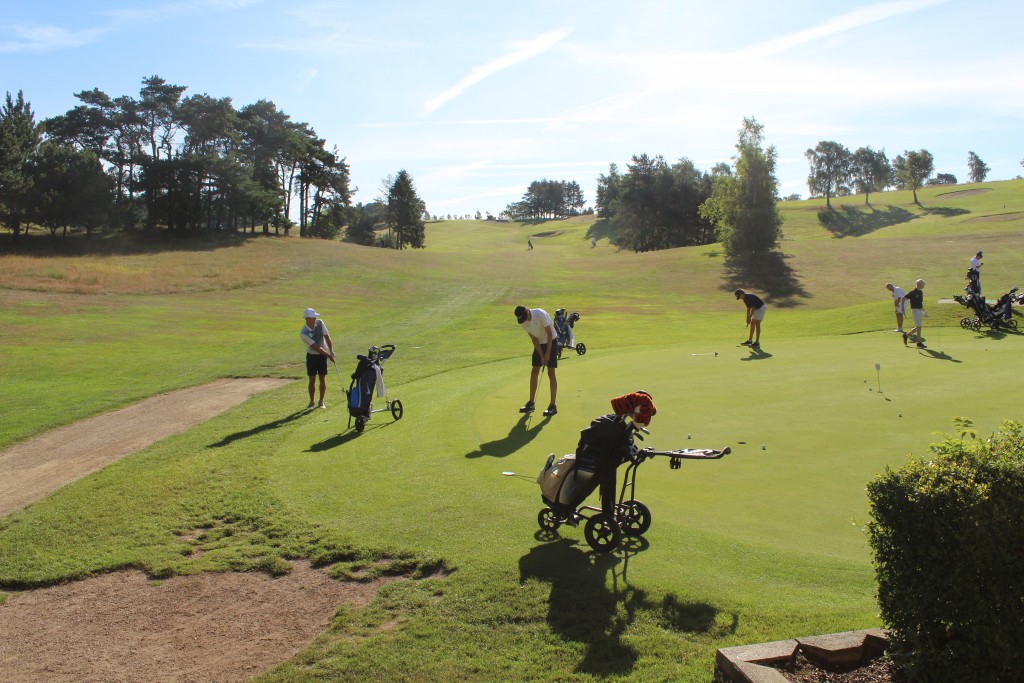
[[911, 169], [830, 169], [977, 168], [870, 171], [742, 206]]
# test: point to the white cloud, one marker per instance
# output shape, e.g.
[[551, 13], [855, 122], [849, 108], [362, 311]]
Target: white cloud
[[47, 39], [536, 47]]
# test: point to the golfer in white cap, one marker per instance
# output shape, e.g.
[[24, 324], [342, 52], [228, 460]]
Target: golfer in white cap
[[317, 339]]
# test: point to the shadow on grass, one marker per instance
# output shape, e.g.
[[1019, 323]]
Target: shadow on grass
[[944, 211], [346, 436], [520, 435], [231, 438], [583, 608], [766, 273], [854, 221], [757, 354], [939, 355], [120, 243]]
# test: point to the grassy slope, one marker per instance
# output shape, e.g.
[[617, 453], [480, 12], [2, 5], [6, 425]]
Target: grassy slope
[[765, 544]]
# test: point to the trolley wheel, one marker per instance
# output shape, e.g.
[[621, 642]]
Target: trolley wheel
[[396, 409], [360, 424], [1012, 324], [965, 323], [976, 324], [634, 518], [581, 348], [602, 533], [547, 520]]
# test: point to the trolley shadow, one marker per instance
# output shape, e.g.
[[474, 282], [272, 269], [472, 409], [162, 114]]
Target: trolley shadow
[[520, 435], [591, 602]]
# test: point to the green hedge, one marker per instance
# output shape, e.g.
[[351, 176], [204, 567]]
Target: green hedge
[[948, 540]]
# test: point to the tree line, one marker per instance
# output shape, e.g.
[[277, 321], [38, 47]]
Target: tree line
[[837, 172], [188, 164], [546, 199]]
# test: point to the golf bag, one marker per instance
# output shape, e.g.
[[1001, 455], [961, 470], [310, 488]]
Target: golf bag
[[564, 336], [973, 278], [367, 380], [994, 316], [603, 446]]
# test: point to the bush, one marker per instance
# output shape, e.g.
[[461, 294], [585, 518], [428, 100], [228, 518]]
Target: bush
[[948, 541]]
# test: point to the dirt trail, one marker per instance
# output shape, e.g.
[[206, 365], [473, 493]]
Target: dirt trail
[[120, 627], [33, 469]]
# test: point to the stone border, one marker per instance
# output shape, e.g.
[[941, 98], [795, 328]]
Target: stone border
[[747, 663]]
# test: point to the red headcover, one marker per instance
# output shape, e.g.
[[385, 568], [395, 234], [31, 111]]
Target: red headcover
[[637, 405]]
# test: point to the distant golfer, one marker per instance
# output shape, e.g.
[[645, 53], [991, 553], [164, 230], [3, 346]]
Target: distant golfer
[[318, 349], [974, 274], [756, 309], [916, 299], [897, 300], [529, 244], [537, 323]]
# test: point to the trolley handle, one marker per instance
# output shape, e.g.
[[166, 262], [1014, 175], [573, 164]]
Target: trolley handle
[[677, 456]]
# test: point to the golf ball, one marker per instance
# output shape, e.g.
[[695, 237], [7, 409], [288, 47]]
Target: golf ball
[[901, 414], [763, 447], [689, 436]]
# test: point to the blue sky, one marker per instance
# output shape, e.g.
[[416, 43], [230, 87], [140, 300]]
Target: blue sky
[[476, 100]]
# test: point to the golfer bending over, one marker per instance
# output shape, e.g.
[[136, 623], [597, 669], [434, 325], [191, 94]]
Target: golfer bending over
[[537, 323], [897, 299], [755, 314], [314, 334]]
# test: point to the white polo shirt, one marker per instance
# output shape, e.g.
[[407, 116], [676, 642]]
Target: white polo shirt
[[538, 324]]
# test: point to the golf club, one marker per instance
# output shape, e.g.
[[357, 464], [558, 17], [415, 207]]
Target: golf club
[[518, 476], [713, 353]]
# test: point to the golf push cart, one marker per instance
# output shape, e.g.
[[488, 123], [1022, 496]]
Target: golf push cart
[[565, 339], [567, 482], [368, 376]]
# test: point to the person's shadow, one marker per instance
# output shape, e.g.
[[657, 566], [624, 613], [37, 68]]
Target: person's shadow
[[274, 424], [757, 354], [939, 355], [521, 434], [582, 606]]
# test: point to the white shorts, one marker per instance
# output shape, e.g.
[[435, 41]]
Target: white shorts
[[759, 313], [901, 306], [918, 314]]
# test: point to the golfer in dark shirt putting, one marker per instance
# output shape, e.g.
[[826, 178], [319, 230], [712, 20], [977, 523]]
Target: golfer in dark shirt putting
[[756, 309]]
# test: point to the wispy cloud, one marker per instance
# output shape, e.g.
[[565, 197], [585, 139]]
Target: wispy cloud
[[149, 15], [841, 24], [47, 38], [535, 47]]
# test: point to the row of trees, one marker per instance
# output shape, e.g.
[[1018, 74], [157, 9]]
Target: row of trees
[[189, 164], [547, 199], [836, 171], [654, 204], [657, 205]]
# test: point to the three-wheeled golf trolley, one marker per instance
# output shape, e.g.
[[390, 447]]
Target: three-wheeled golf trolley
[[565, 338], [567, 482], [367, 377]]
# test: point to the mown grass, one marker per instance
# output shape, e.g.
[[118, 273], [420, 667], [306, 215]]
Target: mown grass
[[762, 545]]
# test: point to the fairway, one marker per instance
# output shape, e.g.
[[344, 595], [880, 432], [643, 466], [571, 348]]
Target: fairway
[[764, 544]]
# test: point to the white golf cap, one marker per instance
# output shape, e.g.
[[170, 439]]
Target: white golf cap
[[310, 313]]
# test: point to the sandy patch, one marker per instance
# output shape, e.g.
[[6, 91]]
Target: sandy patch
[[39, 466], [208, 627]]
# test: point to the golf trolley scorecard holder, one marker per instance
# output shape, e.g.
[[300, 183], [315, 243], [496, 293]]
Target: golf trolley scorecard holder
[[367, 379], [565, 486]]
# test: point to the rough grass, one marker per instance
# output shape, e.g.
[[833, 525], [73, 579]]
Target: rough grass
[[763, 545]]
